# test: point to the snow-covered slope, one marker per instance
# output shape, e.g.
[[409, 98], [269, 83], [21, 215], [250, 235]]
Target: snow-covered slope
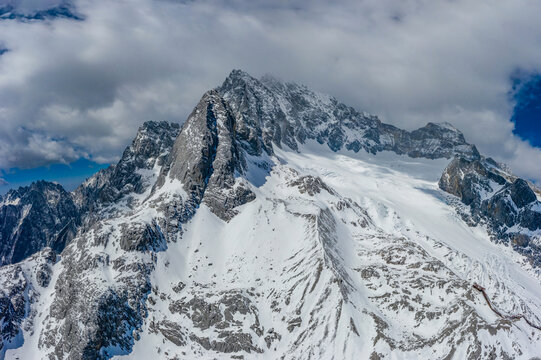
[[340, 256], [262, 232]]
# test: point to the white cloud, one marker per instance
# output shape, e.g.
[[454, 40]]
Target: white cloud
[[74, 88]]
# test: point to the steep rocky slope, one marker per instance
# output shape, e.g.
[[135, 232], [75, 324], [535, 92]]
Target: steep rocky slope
[[34, 217], [507, 205], [279, 223]]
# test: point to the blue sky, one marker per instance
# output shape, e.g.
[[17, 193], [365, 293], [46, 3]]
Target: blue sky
[[78, 77], [527, 111], [70, 176]]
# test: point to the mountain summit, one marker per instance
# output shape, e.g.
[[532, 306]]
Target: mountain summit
[[276, 222], [286, 113]]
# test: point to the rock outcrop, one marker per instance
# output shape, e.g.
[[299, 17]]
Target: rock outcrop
[[506, 204]]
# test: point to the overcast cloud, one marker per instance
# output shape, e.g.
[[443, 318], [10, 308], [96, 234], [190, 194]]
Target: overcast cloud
[[71, 89]]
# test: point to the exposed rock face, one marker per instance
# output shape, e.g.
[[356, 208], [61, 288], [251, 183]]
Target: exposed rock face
[[45, 215], [222, 239], [94, 318], [508, 205], [98, 317], [220, 316], [206, 158], [149, 149], [311, 185], [21, 286], [269, 111], [139, 237], [34, 217]]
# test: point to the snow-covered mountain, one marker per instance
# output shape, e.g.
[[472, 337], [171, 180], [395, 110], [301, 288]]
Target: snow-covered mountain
[[279, 223]]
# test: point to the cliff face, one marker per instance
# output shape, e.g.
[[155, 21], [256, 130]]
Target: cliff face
[[507, 205]]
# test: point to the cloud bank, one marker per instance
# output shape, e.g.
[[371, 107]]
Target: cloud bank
[[71, 89]]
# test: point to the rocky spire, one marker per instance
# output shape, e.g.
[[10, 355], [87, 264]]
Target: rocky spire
[[206, 157], [149, 149]]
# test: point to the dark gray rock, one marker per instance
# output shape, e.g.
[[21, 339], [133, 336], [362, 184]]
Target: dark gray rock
[[220, 316], [229, 343], [170, 330], [142, 237], [92, 317], [206, 157], [521, 193], [93, 314], [311, 185], [469, 179], [34, 217], [13, 303], [45, 215], [506, 204], [149, 148], [19, 290]]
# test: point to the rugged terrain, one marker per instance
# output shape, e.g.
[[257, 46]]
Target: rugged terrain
[[276, 223]]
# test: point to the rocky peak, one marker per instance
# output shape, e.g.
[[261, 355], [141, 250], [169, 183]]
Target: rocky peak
[[33, 217], [238, 78], [439, 130], [259, 117], [43, 214], [40, 190], [269, 112], [194, 150], [151, 144], [206, 156], [148, 150], [508, 205]]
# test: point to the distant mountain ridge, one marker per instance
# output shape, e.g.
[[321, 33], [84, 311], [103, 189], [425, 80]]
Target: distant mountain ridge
[[34, 217], [290, 114]]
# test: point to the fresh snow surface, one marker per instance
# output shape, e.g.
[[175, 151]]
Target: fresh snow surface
[[401, 196], [303, 259]]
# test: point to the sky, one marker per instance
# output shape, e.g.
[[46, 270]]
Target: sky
[[527, 111], [77, 78]]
